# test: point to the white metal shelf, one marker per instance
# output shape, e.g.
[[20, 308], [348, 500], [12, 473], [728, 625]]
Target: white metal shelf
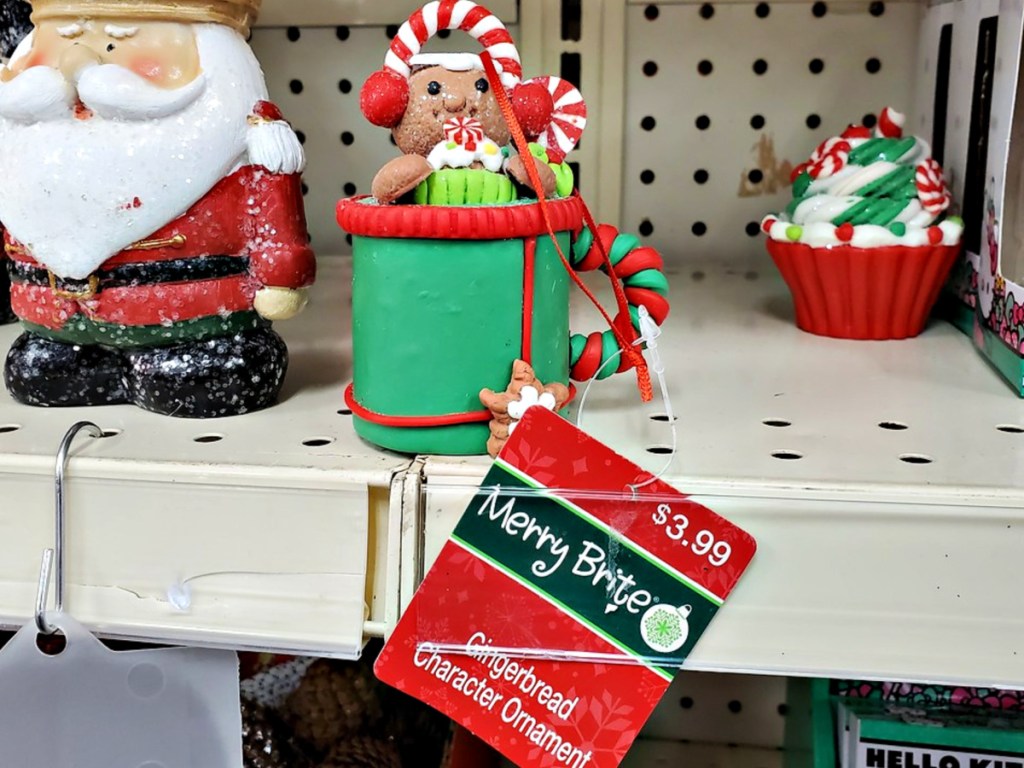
[[282, 523], [867, 565]]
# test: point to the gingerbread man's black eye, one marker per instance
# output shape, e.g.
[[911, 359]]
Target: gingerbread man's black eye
[[110, 48], [482, 85], [433, 87]]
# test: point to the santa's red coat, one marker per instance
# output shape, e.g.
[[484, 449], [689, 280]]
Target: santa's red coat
[[248, 232]]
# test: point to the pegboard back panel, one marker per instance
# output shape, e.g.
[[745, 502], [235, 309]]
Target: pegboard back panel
[[314, 74], [313, 13], [709, 707], [721, 99]]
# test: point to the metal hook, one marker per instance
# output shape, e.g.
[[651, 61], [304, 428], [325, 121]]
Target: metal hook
[[48, 555]]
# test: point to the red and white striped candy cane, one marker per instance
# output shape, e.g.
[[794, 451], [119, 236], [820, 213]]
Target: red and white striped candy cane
[[568, 119], [829, 158], [464, 131], [890, 123], [931, 187], [466, 15]]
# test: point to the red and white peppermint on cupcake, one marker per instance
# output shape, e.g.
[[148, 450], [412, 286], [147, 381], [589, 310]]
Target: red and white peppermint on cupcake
[[829, 158], [890, 124], [931, 187]]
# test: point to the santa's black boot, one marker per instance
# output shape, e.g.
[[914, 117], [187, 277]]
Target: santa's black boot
[[207, 379], [6, 315], [44, 372]]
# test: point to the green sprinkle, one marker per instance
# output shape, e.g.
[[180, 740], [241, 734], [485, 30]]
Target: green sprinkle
[[451, 145], [955, 220], [794, 232], [898, 228]]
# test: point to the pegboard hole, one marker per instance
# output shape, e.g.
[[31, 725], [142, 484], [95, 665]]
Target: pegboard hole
[[650, 68], [787, 455], [760, 67], [345, 412], [697, 276], [294, 34], [660, 450], [753, 229], [317, 442], [755, 176], [444, 34], [1013, 429], [705, 67], [301, 136], [700, 176], [210, 438], [783, 710], [751, 275], [707, 11], [703, 122], [777, 423], [647, 177], [305, 189], [296, 86], [916, 458], [735, 706], [757, 122], [648, 123], [813, 122], [646, 228], [762, 10], [873, 66], [347, 138], [5, 428], [349, 188], [342, 33], [686, 702], [390, 31], [663, 417], [877, 8], [869, 120], [651, 12], [699, 228], [895, 426], [819, 9], [345, 86], [817, 66]]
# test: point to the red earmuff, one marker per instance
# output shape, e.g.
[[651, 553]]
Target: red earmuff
[[533, 107], [384, 98]]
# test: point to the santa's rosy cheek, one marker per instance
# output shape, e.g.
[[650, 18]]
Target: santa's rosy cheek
[[37, 59], [151, 69]]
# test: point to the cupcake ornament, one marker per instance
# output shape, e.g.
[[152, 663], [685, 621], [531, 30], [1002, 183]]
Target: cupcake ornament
[[464, 255], [867, 241]]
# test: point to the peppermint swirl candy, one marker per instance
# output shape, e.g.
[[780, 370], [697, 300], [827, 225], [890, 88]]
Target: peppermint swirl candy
[[881, 180]]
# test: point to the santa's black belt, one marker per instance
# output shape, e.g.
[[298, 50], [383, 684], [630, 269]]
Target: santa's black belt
[[139, 273]]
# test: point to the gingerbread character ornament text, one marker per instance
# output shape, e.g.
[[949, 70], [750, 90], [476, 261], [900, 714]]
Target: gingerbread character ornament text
[[445, 118], [154, 220]]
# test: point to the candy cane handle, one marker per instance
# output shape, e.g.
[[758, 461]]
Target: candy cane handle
[[639, 267]]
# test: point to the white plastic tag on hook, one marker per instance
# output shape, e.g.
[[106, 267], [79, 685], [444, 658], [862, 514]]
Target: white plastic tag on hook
[[90, 707]]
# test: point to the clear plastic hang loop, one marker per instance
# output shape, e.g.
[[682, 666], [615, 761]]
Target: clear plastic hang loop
[[90, 707]]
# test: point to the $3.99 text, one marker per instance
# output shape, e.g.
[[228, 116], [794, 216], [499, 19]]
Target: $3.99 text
[[703, 543]]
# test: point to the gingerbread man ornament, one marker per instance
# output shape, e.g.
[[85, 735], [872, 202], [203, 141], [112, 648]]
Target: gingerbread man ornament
[[442, 110]]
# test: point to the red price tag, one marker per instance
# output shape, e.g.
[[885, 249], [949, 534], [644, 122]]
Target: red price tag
[[564, 603]]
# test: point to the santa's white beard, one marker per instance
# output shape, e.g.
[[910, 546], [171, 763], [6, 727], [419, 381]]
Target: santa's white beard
[[76, 192]]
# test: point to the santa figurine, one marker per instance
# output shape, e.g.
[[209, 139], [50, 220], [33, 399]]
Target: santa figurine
[[14, 25], [153, 209]]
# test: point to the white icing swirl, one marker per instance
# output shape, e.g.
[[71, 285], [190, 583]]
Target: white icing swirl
[[448, 154]]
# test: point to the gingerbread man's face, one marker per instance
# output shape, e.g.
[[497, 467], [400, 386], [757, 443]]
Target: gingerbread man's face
[[437, 94]]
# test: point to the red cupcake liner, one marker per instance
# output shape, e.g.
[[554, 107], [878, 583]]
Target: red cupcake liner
[[863, 293]]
